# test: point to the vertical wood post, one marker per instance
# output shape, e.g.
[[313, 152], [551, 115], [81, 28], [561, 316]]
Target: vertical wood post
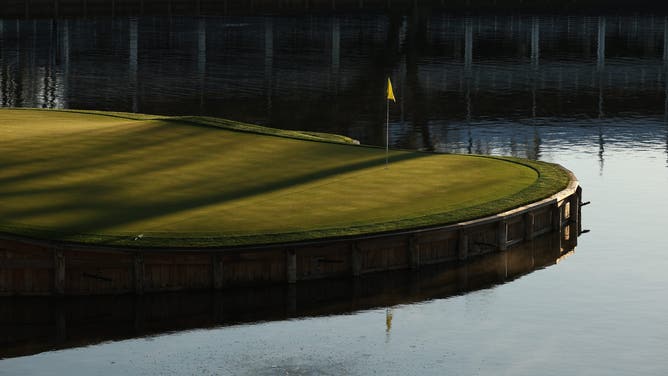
[[217, 271], [291, 265], [575, 208], [58, 272], [139, 273], [529, 226], [579, 193], [463, 245], [414, 252], [557, 217], [502, 235], [574, 220], [356, 259]]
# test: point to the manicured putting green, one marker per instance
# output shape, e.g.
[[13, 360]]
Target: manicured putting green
[[140, 180]]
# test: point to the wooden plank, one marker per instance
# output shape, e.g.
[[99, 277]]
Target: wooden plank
[[502, 235], [217, 271], [356, 259], [139, 273], [291, 265], [438, 246], [58, 272], [463, 246], [557, 217], [529, 223], [323, 261], [414, 252]]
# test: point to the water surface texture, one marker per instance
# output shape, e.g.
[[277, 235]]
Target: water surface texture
[[586, 91]]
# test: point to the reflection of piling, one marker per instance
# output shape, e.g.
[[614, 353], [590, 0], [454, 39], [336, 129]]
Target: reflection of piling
[[291, 300], [535, 58], [665, 40], [336, 52], [468, 63], [600, 51], [60, 317], [139, 324], [201, 59], [268, 61], [665, 80], [600, 63], [665, 74], [3, 67], [535, 41], [601, 150], [133, 65], [65, 58], [17, 100], [468, 45]]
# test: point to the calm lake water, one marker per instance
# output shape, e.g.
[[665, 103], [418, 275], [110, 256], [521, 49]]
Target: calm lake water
[[587, 91]]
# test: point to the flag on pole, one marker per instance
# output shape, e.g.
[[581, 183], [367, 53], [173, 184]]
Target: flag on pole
[[390, 92], [390, 95]]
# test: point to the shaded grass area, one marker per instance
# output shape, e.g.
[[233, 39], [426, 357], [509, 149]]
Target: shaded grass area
[[108, 178]]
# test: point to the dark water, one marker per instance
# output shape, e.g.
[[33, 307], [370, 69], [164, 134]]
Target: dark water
[[586, 91]]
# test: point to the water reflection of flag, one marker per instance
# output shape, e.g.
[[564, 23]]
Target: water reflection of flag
[[390, 92]]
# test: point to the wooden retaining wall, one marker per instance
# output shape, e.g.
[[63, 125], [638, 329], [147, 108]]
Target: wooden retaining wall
[[29, 325], [29, 267]]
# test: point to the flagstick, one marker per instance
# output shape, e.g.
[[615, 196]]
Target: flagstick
[[387, 133]]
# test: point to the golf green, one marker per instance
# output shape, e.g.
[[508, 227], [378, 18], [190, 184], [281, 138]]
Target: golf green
[[158, 181]]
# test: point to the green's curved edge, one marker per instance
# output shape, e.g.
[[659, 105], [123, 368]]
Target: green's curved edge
[[552, 178]]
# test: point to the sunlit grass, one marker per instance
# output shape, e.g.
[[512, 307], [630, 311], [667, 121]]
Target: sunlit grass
[[194, 181]]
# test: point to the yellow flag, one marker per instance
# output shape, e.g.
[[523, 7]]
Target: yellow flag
[[390, 93]]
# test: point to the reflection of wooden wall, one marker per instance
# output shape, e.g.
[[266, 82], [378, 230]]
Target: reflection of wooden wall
[[38, 268]]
